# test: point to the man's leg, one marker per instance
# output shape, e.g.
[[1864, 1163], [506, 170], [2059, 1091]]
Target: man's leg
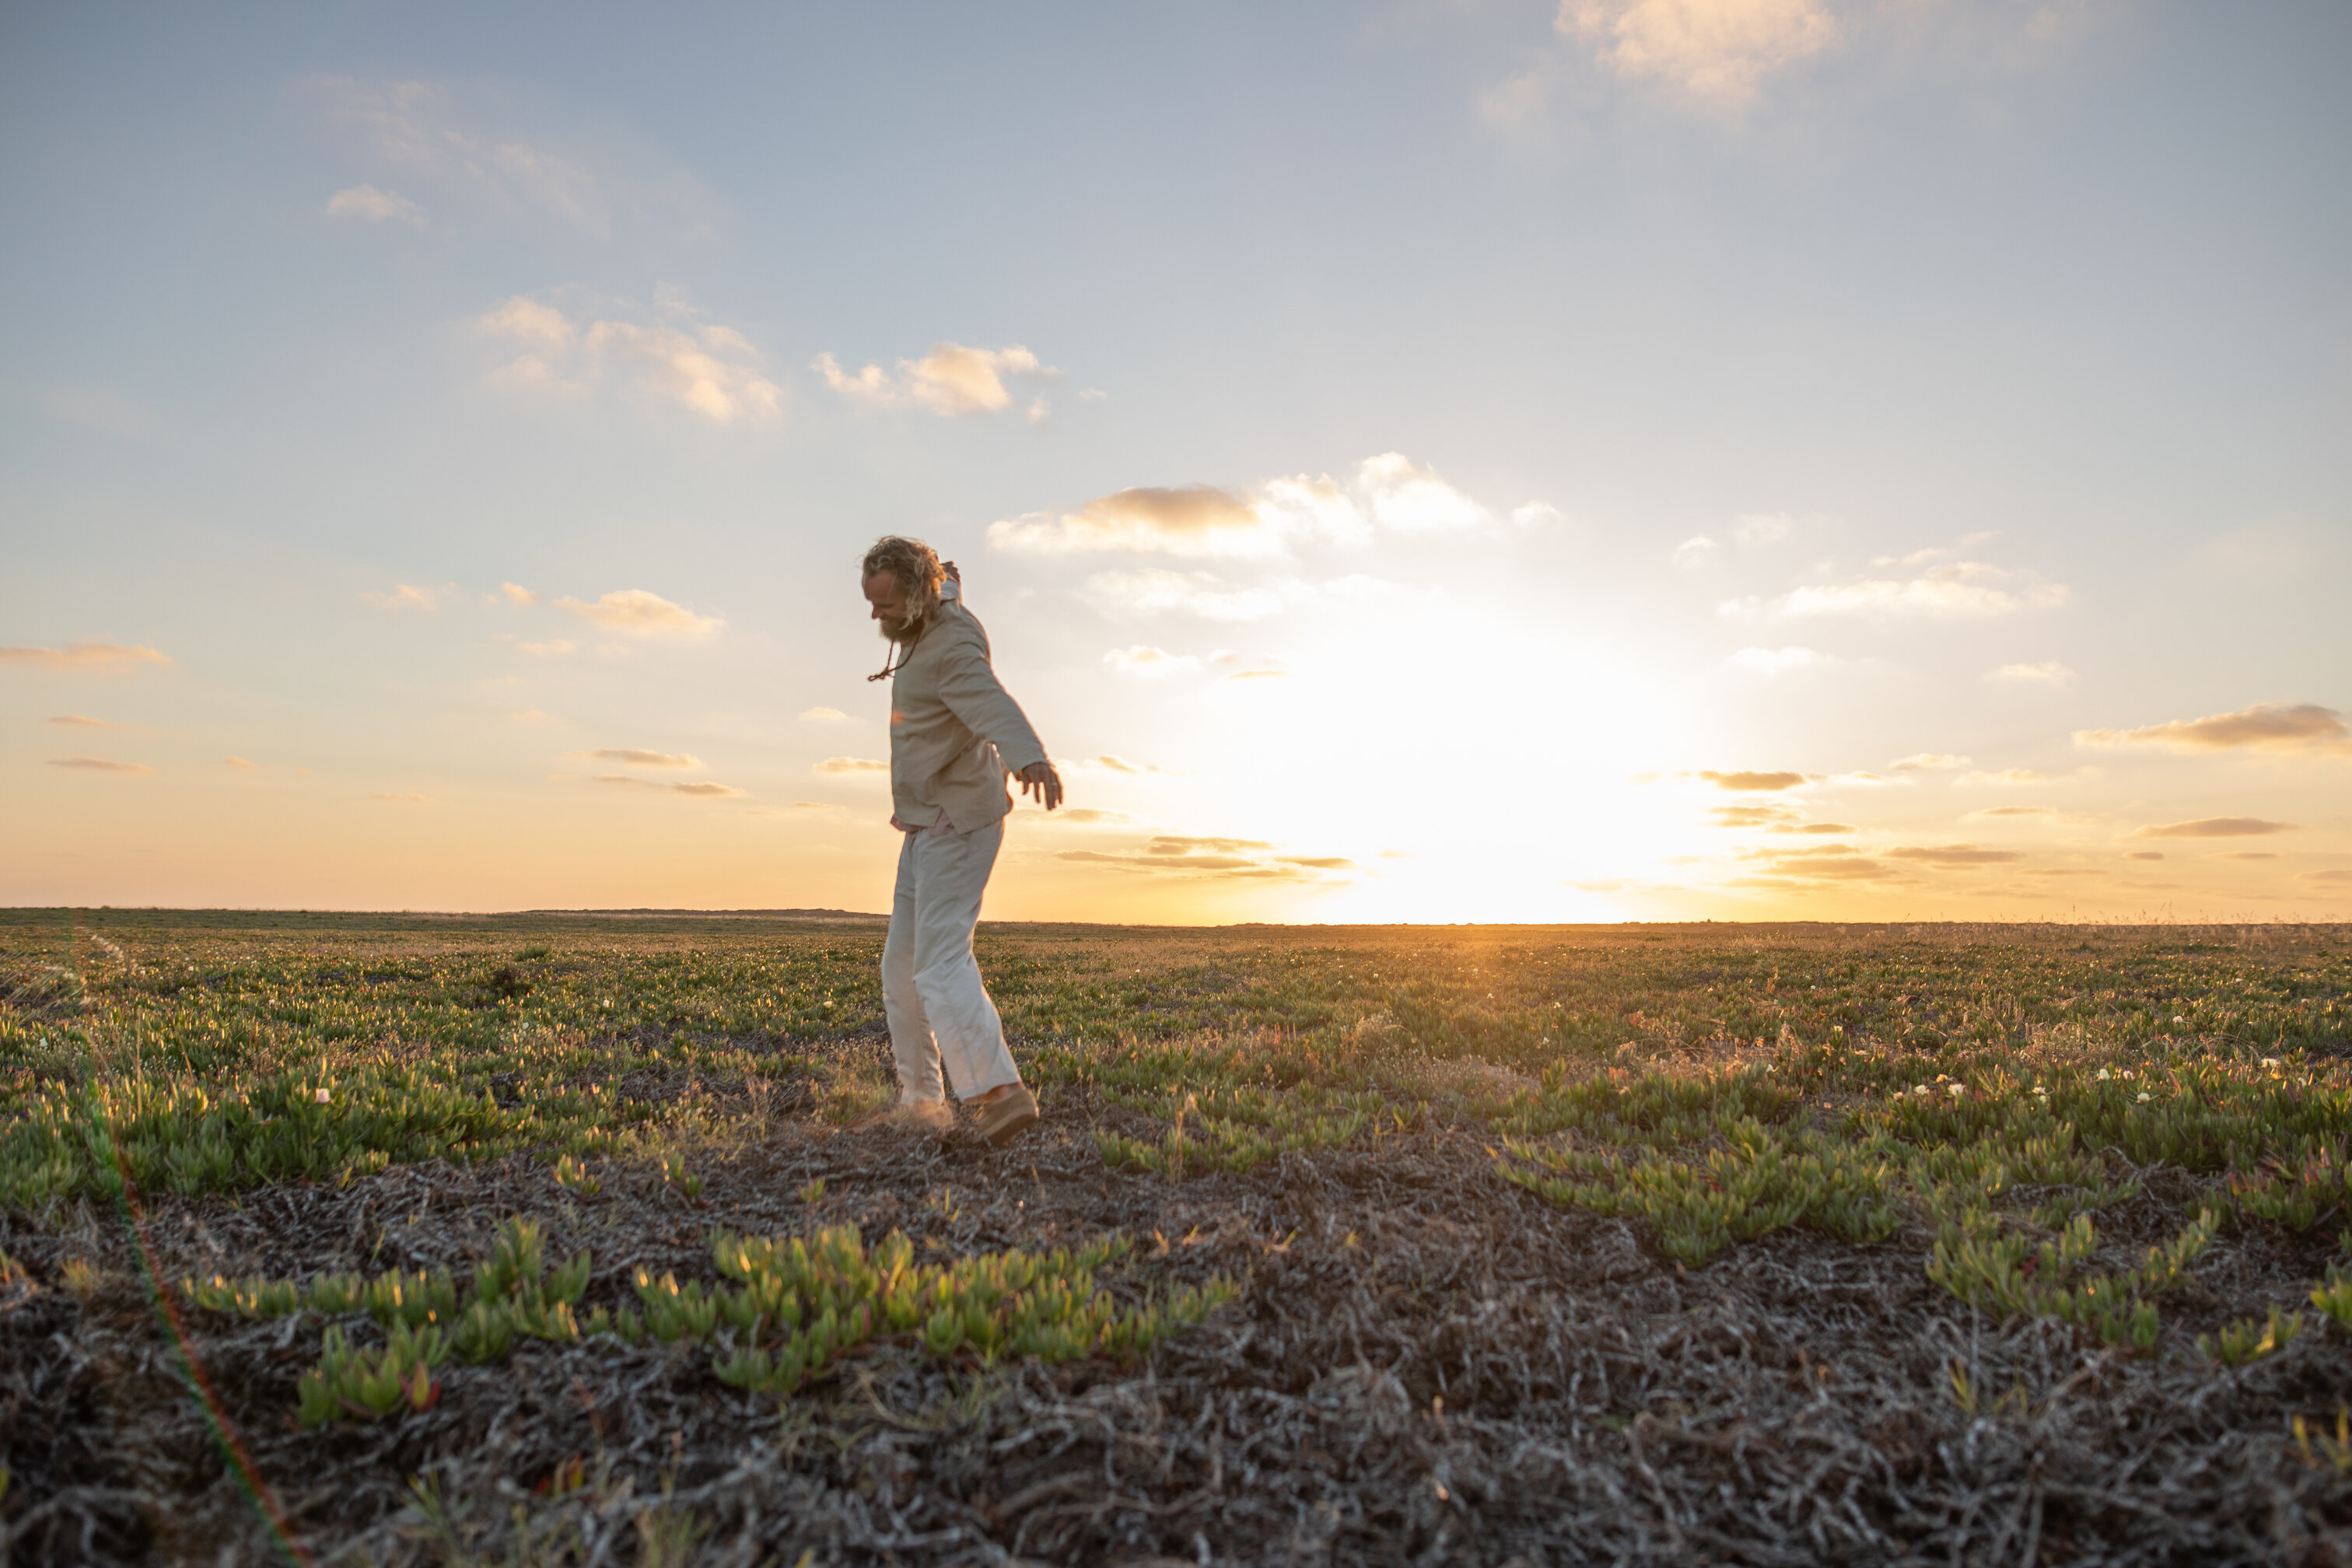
[[951, 875], [915, 1053]]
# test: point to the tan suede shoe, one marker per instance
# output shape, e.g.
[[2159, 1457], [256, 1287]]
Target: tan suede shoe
[[1007, 1117]]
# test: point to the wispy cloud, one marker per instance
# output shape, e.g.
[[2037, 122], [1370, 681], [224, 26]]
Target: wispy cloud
[[2265, 726], [516, 594], [1821, 828], [1715, 51], [669, 354], [239, 762], [404, 596], [1149, 662], [1953, 854], [99, 765], [634, 612], [1187, 855], [703, 788], [1952, 591], [1156, 591], [1926, 761], [631, 756], [1750, 815], [397, 799], [1078, 816], [2052, 673], [108, 657], [554, 647], [1990, 811], [369, 204], [2215, 828], [1263, 522], [1121, 766], [950, 380], [823, 716], [2006, 777], [850, 765], [82, 722], [1753, 780]]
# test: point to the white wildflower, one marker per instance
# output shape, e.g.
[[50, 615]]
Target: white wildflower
[[322, 1096], [2269, 1061], [2105, 1075], [2143, 1097]]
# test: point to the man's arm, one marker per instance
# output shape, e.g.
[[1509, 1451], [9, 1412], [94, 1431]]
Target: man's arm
[[973, 693]]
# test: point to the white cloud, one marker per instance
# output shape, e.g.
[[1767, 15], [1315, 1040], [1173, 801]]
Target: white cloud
[[1771, 661], [1149, 662], [1715, 51], [369, 204], [824, 716], [1926, 762], [2050, 674], [404, 596], [555, 648], [1536, 515], [91, 656], [1264, 522], [1755, 528], [630, 756], [515, 593], [1694, 553], [950, 380], [1155, 591], [672, 357], [417, 127], [704, 788], [1955, 591], [2265, 726], [850, 765], [633, 611]]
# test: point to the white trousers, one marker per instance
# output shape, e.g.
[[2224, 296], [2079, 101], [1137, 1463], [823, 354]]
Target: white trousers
[[940, 1012]]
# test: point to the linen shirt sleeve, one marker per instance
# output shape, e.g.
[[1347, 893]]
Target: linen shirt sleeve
[[973, 693]]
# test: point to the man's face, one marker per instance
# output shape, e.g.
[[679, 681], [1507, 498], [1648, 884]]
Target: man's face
[[888, 597]]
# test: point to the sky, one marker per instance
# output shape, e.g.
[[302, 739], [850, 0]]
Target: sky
[[1619, 460]]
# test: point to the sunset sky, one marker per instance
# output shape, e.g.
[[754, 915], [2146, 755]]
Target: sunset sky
[[1630, 459]]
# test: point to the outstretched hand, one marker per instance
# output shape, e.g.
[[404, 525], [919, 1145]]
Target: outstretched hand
[[1040, 782]]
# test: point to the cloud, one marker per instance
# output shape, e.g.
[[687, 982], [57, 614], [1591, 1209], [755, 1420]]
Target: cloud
[[2265, 726], [1713, 51], [555, 648], [2333, 873], [634, 612], [1179, 843], [99, 765], [530, 716], [372, 205], [1315, 862], [1156, 591], [2247, 855], [823, 716], [1755, 528], [1536, 515], [515, 593], [2216, 827], [701, 787], [2145, 855], [1772, 661], [1121, 766], [1753, 780], [1953, 854], [401, 799], [1926, 761], [2050, 674], [632, 757], [1189, 855], [1264, 522], [1750, 815], [1992, 811], [1830, 863], [1149, 662], [850, 765], [1820, 828], [950, 380], [1081, 815], [82, 720], [404, 596], [2006, 777], [672, 357], [1954, 591], [90, 656], [237, 763]]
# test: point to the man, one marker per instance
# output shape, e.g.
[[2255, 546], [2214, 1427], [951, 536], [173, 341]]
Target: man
[[954, 736]]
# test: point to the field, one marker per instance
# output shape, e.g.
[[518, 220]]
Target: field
[[549, 1239]]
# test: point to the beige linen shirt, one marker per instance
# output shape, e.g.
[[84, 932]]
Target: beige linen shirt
[[955, 732]]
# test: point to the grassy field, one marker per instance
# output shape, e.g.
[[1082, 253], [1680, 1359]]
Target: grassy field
[[574, 1239]]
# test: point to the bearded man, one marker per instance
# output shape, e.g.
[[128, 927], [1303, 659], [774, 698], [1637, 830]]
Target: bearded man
[[955, 736]]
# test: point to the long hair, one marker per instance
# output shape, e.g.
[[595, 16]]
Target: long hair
[[915, 565]]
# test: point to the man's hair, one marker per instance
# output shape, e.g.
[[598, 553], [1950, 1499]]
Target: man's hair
[[915, 565]]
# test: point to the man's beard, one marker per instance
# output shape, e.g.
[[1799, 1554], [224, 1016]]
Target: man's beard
[[902, 629]]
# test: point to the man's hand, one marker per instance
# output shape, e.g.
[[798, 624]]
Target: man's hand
[[1040, 782]]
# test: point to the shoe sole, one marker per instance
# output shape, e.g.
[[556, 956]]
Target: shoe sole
[[1020, 1122]]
